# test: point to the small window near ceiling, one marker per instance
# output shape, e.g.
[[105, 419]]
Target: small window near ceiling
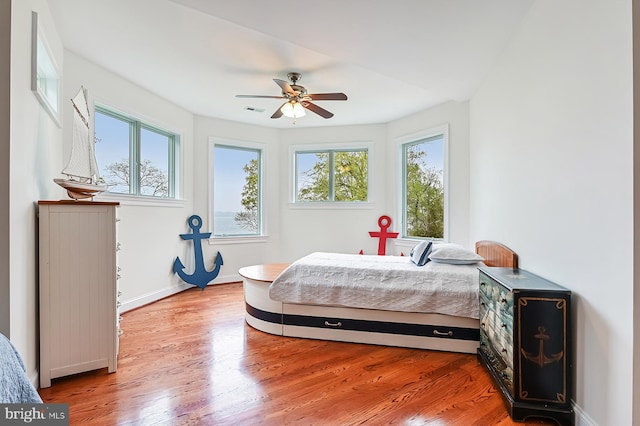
[[135, 158], [423, 191], [332, 175], [237, 191]]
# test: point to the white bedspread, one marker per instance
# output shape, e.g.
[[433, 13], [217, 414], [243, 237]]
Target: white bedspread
[[391, 283]]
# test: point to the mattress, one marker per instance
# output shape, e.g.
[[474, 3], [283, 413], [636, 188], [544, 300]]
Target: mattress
[[390, 283]]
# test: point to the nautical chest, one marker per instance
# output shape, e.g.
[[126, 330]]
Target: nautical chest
[[525, 342]]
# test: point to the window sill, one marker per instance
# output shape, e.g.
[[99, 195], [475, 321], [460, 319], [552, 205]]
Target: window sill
[[331, 206], [410, 242], [253, 239], [135, 200]]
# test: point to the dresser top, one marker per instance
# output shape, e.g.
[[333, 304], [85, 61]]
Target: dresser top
[[79, 203], [521, 279]]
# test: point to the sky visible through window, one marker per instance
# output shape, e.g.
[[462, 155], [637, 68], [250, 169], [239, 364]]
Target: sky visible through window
[[229, 177], [112, 146], [305, 162], [435, 153], [229, 180]]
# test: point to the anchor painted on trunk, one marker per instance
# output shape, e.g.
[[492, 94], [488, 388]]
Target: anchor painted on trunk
[[541, 358], [200, 276]]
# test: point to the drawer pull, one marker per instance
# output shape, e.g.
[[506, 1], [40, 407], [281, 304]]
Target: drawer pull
[[331, 324], [440, 333]]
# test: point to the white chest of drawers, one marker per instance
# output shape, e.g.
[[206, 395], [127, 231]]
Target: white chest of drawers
[[78, 288]]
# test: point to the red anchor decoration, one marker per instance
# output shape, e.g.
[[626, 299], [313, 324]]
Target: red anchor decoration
[[384, 222]]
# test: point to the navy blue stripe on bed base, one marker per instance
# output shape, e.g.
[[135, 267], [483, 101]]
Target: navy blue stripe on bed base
[[421, 330]]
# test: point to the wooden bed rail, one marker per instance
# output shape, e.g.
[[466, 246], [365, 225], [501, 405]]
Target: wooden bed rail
[[496, 254]]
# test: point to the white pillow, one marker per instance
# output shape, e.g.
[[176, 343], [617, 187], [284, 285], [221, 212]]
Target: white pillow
[[420, 253], [453, 254]]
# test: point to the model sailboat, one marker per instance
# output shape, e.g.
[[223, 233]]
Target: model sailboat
[[81, 169]]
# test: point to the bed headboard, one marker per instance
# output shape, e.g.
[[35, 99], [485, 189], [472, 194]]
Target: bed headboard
[[496, 254]]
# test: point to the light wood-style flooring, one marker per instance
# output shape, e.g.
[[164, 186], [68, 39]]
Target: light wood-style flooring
[[190, 359]]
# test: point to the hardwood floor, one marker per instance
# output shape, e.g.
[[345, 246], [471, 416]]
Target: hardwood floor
[[191, 359]]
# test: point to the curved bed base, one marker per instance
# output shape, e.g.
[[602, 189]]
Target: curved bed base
[[404, 329], [389, 328]]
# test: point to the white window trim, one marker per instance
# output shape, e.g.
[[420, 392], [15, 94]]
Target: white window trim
[[331, 205], [141, 200], [51, 69], [414, 137], [237, 239]]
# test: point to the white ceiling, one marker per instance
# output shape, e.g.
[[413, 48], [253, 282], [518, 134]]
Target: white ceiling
[[391, 58]]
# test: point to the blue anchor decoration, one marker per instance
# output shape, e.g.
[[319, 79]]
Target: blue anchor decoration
[[200, 277]]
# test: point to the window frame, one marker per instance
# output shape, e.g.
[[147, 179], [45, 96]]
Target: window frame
[[174, 155], [262, 236], [401, 142], [46, 78], [330, 147]]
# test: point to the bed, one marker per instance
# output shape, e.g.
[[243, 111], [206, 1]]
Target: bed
[[15, 387], [297, 300]]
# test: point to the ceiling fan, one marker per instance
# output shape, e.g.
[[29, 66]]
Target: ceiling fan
[[298, 99]]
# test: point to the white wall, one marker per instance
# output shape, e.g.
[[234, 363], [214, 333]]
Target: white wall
[[5, 174], [33, 158], [148, 234], [636, 216], [342, 230], [551, 160]]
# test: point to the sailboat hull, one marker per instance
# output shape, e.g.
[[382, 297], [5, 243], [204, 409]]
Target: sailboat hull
[[78, 190]]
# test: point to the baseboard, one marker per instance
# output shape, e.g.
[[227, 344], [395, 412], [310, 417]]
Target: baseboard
[[152, 297], [581, 417], [170, 291], [229, 278]]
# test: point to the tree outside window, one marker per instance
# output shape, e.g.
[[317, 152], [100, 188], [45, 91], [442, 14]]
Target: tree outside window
[[423, 188], [332, 176], [133, 157]]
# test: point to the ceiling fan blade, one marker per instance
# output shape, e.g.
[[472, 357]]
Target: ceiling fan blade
[[318, 110], [260, 96], [286, 88], [278, 112], [328, 96]]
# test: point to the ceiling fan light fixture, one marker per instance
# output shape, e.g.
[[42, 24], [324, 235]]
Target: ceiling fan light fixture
[[293, 109]]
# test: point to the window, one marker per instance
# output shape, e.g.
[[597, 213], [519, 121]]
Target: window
[[45, 77], [133, 157], [332, 175], [423, 187], [237, 191]]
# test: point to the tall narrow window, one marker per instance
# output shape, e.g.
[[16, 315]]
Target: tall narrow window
[[423, 187], [332, 175], [237, 191], [134, 157]]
